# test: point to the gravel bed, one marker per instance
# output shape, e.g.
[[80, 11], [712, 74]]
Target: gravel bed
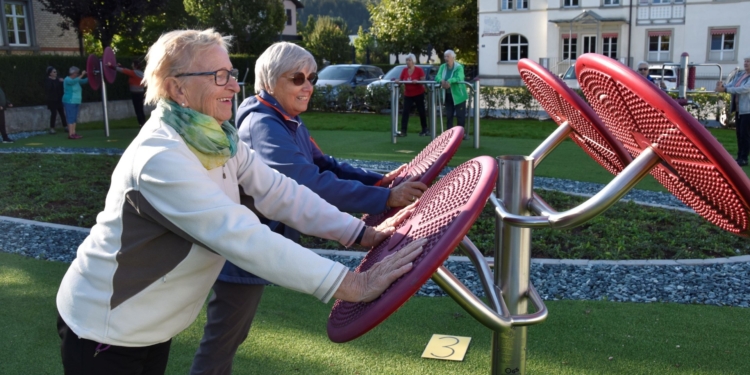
[[713, 284]]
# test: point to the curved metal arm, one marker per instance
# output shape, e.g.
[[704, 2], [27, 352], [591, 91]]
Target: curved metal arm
[[483, 269], [551, 142], [609, 195], [477, 309]]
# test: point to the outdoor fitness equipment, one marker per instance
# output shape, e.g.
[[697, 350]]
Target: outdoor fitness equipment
[[427, 164], [683, 156], [100, 70], [443, 216]]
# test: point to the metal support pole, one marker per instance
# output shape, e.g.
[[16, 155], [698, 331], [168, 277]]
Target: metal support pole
[[476, 114], [394, 112], [104, 99], [512, 262], [433, 110], [683, 76]]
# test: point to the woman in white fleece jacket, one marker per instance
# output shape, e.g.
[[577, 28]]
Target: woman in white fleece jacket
[[173, 215]]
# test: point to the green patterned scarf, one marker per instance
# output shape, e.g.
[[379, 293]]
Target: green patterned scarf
[[212, 143]]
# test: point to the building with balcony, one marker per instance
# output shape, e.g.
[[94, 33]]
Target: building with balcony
[[555, 32]]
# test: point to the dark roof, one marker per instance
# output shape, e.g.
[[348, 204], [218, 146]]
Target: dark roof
[[298, 4]]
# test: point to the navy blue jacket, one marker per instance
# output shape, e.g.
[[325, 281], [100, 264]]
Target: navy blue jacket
[[284, 143]]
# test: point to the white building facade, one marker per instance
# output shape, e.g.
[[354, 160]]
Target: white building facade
[[555, 32]]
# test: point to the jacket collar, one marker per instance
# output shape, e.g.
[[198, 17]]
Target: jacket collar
[[268, 100]]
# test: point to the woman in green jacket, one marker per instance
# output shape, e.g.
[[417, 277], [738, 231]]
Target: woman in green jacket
[[449, 76]]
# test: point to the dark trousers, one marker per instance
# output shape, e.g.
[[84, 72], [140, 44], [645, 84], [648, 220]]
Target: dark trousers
[[450, 107], [230, 314], [80, 357], [743, 136], [410, 101], [3, 132], [137, 98], [53, 116]]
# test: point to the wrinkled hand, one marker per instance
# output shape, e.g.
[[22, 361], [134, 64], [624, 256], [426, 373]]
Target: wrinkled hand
[[367, 286], [375, 235], [389, 177], [406, 193], [720, 87]]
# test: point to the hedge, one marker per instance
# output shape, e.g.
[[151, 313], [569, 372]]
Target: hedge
[[22, 77]]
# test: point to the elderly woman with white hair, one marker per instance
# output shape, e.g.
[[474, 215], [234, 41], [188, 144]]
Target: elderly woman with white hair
[[449, 76], [413, 94], [269, 123], [739, 88], [172, 217]]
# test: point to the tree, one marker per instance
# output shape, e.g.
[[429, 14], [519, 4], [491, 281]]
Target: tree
[[403, 26], [171, 17], [256, 24], [329, 40], [104, 19], [368, 51]]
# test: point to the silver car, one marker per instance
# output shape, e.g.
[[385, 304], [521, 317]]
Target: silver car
[[395, 73]]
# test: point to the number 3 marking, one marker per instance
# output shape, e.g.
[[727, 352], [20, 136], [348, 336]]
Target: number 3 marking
[[447, 346]]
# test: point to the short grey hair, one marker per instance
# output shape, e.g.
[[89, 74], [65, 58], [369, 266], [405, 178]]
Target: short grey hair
[[747, 57], [412, 57], [174, 53], [641, 63], [280, 58], [73, 70], [450, 52]]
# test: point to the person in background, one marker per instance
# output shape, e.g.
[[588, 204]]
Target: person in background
[[413, 95], [285, 75], [449, 76], [643, 71], [72, 98], [135, 77], [172, 217], [4, 104], [53, 86], [739, 88]]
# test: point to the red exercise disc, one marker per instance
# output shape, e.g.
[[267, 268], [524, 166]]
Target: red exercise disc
[[563, 104], [92, 70], [426, 164], [444, 215], [110, 65], [695, 166]]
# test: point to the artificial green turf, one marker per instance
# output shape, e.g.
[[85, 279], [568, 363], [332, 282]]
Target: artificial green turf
[[289, 335]]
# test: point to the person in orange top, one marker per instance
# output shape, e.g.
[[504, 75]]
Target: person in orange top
[[135, 76]]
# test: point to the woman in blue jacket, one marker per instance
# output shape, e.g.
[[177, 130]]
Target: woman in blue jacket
[[72, 98]]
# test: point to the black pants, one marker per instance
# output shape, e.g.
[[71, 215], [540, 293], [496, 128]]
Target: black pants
[[53, 116], [743, 136], [78, 356], [138, 98], [410, 101], [3, 132], [460, 110]]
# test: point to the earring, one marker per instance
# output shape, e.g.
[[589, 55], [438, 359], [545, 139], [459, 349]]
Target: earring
[[183, 104]]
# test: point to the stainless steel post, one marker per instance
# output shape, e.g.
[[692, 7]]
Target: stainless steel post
[[683, 76], [512, 262], [476, 113], [433, 110], [104, 99], [394, 112]]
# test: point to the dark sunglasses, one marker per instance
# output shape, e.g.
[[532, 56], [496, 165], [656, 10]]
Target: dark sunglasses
[[299, 78], [642, 68], [221, 76]]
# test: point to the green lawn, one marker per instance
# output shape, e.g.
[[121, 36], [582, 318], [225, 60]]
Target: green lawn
[[288, 337]]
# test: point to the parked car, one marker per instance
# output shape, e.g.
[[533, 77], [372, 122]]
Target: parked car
[[349, 74], [570, 77], [670, 75], [395, 72]]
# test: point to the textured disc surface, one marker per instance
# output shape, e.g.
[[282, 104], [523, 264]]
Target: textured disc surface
[[443, 216], [92, 70], [110, 65], [695, 166]]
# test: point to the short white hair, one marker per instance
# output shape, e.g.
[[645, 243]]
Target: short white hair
[[450, 52], [412, 57], [641, 63], [174, 53], [747, 57], [280, 58]]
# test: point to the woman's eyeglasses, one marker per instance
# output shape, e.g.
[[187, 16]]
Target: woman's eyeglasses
[[221, 76], [299, 78]]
